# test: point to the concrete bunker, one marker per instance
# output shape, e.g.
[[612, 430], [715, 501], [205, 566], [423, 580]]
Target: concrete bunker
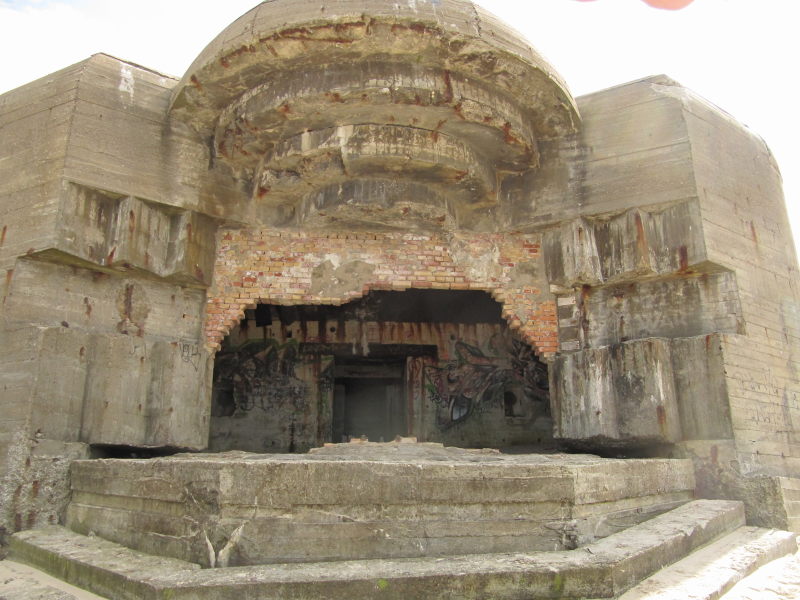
[[314, 210], [438, 365]]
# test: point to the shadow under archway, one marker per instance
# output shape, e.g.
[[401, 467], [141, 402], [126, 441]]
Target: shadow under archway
[[441, 366]]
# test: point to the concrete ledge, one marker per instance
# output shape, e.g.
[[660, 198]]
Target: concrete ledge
[[604, 569], [776, 580], [370, 501], [21, 582], [92, 563], [711, 571]]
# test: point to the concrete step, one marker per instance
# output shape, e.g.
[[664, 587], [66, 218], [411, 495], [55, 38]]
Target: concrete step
[[778, 580], [792, 511], [22, 582], [711, 571], [790, 483], [793, 524], [603, 569], [791, 495]]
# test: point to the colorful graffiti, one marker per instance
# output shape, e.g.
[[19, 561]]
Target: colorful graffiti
[[477, 379]]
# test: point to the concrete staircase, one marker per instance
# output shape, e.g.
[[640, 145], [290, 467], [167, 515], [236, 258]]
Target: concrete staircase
[[711, 571], [703, 532], [790, 486]]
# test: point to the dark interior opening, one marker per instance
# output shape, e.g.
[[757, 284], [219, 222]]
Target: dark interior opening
[[131, 452], [369, 399], [440, 366], [411, 306]]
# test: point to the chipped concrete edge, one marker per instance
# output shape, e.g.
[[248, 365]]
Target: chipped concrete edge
[[628, 556]]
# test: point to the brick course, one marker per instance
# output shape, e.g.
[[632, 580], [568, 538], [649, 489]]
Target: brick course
[[276, 267]]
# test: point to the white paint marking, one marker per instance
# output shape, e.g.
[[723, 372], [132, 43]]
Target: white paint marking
[[334, 259], [126, 82]]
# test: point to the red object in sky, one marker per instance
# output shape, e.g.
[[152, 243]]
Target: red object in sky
[[668, 4]]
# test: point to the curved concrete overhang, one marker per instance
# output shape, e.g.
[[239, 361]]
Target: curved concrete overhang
[[431, 91]]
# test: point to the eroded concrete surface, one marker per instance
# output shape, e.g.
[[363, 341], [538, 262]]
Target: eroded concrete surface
[[192, 264], [778, 580], [21, 582], [366, 500]]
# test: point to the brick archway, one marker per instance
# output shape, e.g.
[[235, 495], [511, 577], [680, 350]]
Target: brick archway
[[290, 268]]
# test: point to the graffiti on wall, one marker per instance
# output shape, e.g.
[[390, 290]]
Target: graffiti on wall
[[476, 380], [272, 396], [190, 353], [259, 376]]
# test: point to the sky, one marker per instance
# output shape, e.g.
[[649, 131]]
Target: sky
[[739, 54]]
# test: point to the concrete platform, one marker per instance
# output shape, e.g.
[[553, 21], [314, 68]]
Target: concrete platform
[[777, 580], [367, 501], [710, 572], [604, 569], [23, 582]]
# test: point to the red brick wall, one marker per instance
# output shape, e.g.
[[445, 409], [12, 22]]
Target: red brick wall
[[275, 267]]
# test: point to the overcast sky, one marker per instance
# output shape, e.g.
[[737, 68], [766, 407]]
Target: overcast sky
[[740, 54]]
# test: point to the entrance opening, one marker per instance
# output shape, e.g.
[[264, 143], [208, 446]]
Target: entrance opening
[[441, 366], [369, 400]]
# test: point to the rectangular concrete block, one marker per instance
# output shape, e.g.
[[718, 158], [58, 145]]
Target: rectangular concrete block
[[58, 295], [670, 307], [700, 388], [571, 255], [142, 234], [192, 250], [126, 232], [60, 384], [675, 238], [145, 393], [18, 370], [582, 396], [623, 247], [643, 382], [641, 242], [177, 403], [621, 395], [117, 381], [88, 223], [339, 503]]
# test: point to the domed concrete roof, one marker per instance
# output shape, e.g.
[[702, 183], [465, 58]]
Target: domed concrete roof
[[439, 32], [303, 97]]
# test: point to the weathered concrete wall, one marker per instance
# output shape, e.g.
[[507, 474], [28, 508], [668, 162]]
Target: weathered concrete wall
[[34, 127], [102, 336], [747, 230], [120, 131], [623, 396], [36, 406], [638, 148], [674, 307], [680, 233], [631, 150], [77, 144], [632, 273]]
